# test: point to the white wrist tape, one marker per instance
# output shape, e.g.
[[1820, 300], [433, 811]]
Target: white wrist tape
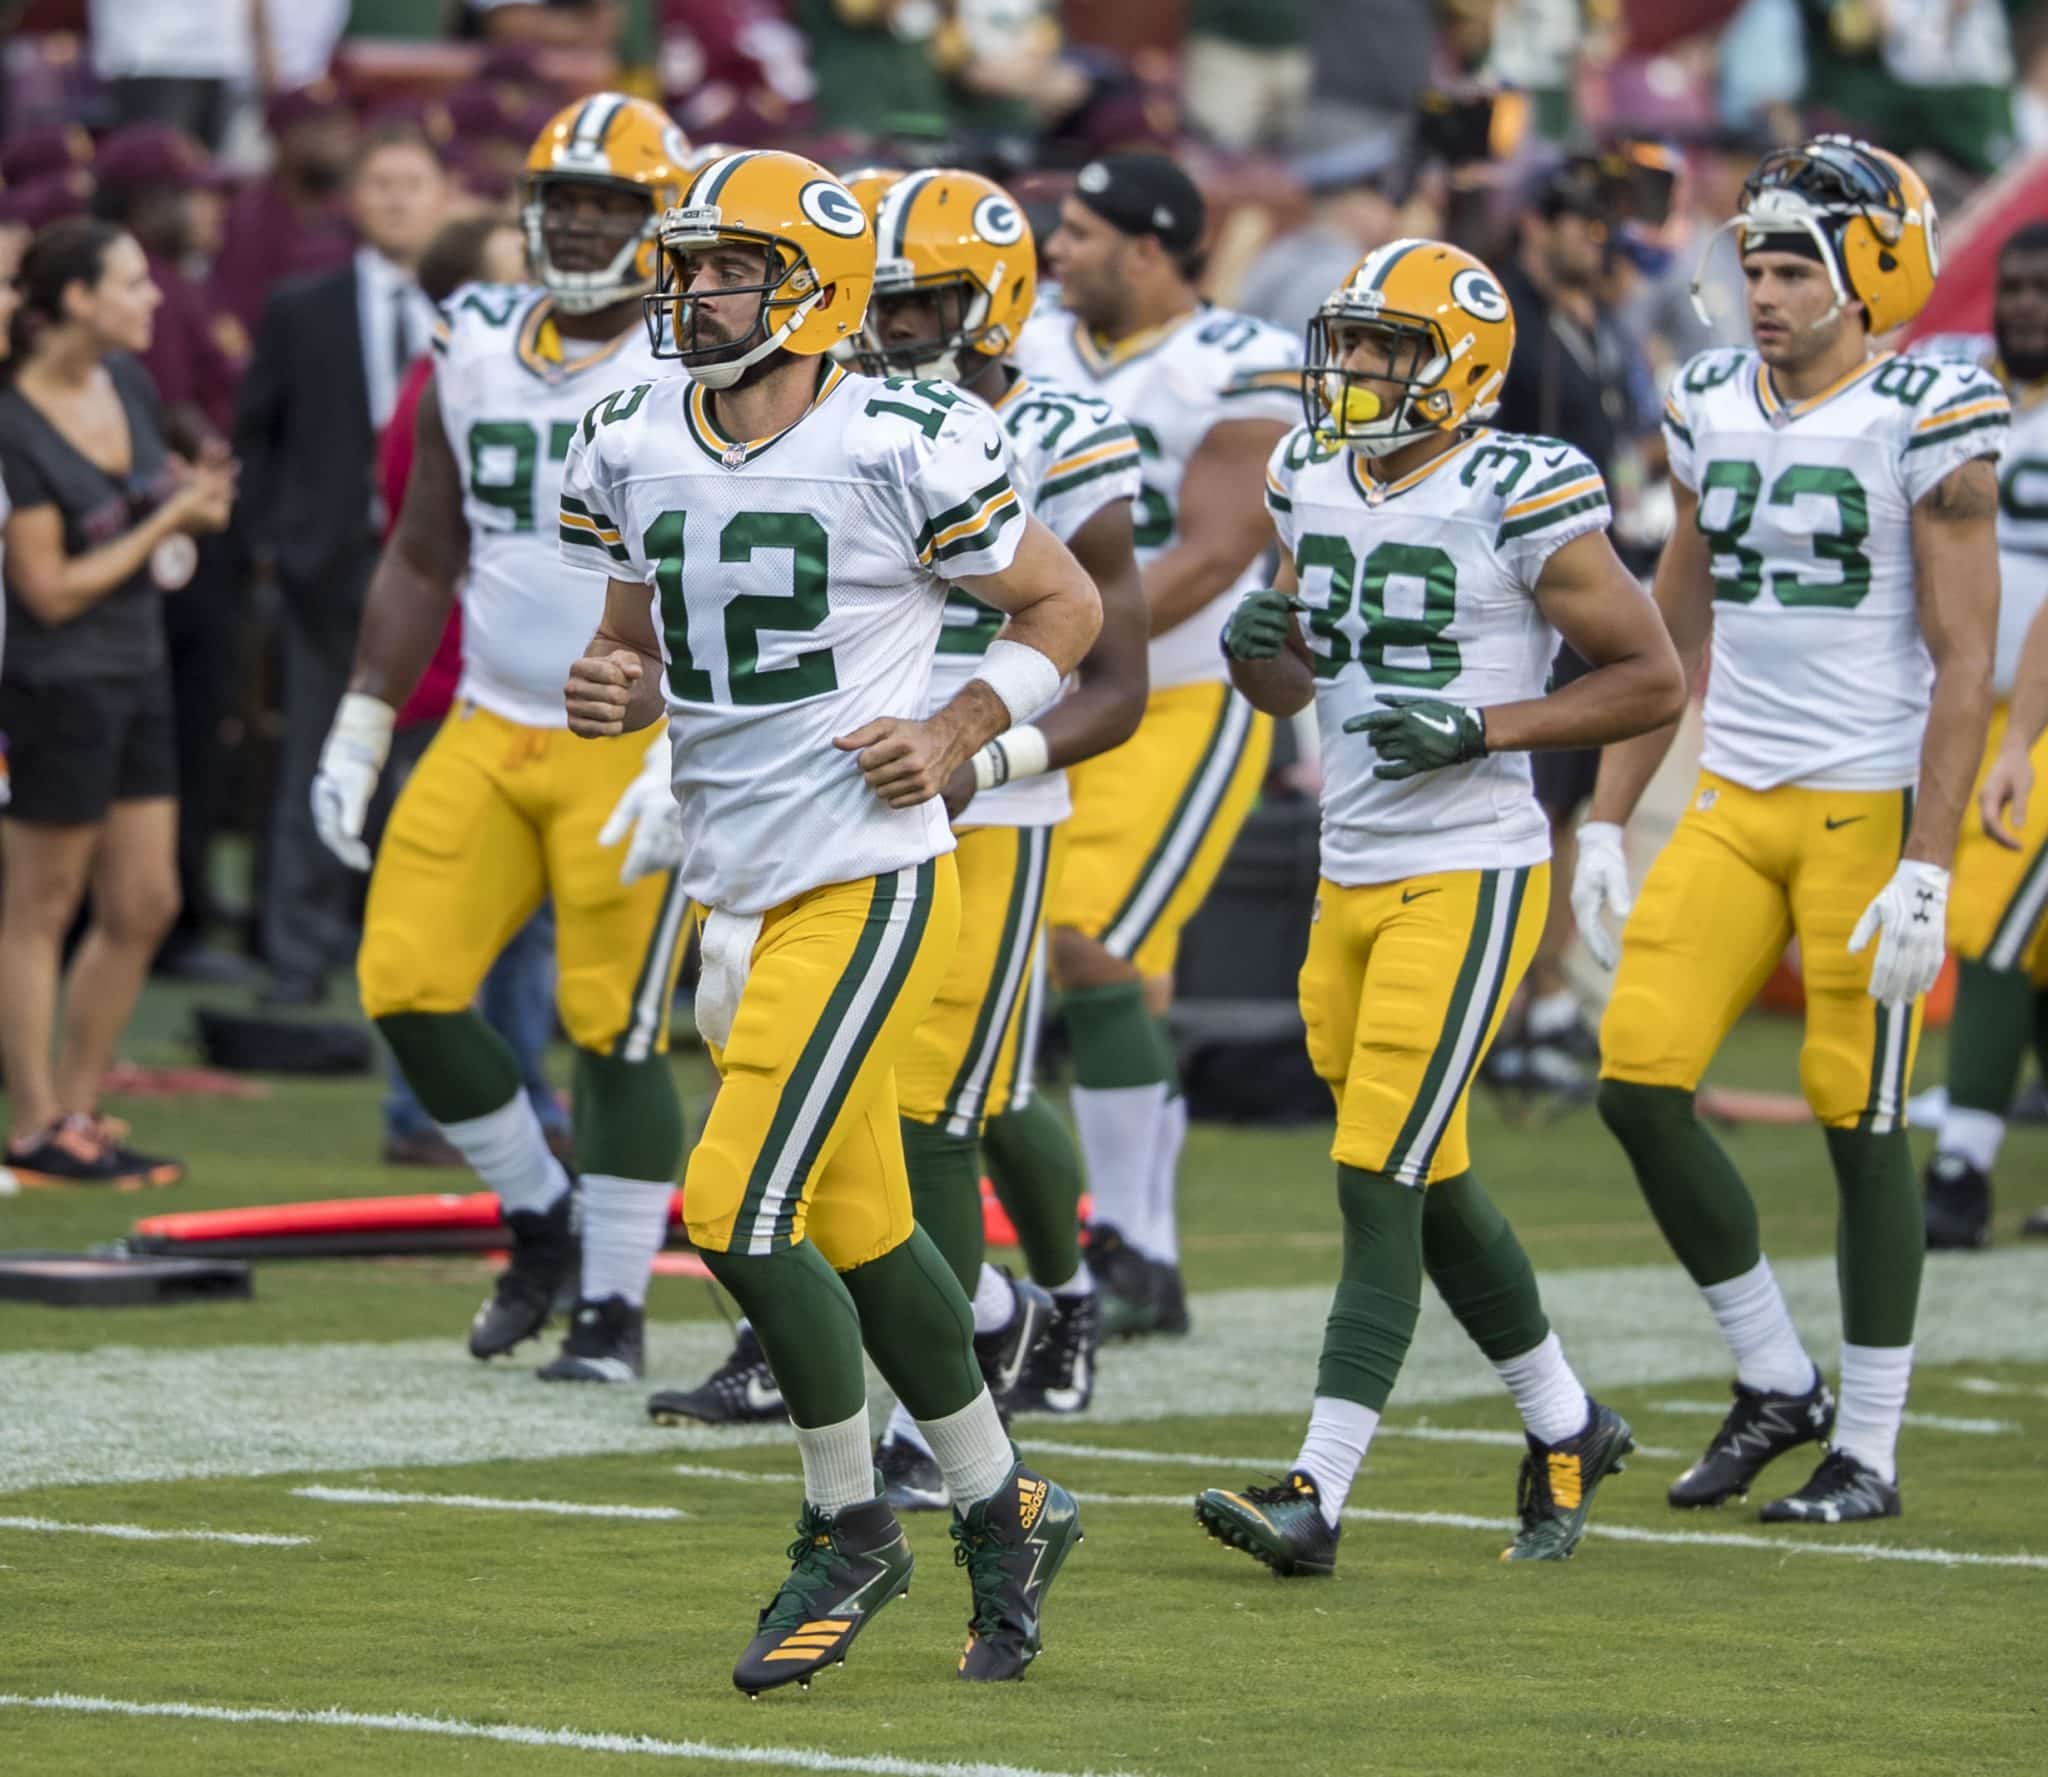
[[1022, 677], [1018, 752], [364, 722]]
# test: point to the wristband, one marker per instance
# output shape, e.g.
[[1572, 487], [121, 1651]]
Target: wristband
[[1018, 752], [1023, 678], [365, 723]]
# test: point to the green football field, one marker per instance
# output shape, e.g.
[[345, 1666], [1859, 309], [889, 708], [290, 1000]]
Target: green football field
[[307, 1534]]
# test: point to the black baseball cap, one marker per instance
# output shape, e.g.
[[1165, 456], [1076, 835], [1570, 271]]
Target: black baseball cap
[[1140, 193]]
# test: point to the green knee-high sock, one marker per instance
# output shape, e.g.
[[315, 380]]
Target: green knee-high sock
[[1036, 1170], [919, 1327], [1372, 1317], [1988, 1037], [808, 1326], [1881, 1239], [629, 1118], [1114, 1039], [945, 1195], [458, 1066], [1686, 1177], [1480, 1269]]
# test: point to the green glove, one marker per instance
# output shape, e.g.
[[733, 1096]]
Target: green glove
[[1415, 734], [1258, 628]]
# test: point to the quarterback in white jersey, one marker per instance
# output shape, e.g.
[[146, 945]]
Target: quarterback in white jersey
[[1834, 538], [781, 535], [1428, 565], [505, 809]]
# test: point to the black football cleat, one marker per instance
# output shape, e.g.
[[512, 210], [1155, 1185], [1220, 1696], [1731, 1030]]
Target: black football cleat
[[1760, 1427], [741, 1391], [1554, 1492], [607, 1342], [844, 1569], [1958, 1205], [1842, 1491], [1013, 1545], [1123, 1279], [1169, 1302], [545, 1258], [911, 1481], [2036, 1225], [1003, 1353], [1282, 1526], [1060, 1376]]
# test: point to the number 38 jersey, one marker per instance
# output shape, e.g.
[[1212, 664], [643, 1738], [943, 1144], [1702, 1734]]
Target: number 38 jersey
[[1425, 587], [1819, 674], [510, 400], [798, 583]]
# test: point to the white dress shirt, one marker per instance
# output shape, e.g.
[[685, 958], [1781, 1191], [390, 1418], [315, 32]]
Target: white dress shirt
[[383, 292]]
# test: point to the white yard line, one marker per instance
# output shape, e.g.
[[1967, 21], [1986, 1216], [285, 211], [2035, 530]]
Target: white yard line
[[703, 1471], [139, 1533], [1426, 1434], [1974, 1428], [482, 1502], [705, 1752], [1984, 1385]]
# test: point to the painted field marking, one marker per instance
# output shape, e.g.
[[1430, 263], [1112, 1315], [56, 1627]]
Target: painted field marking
[[1427, 1434], [1629, 1533], [1984, 1385], [569, 1739], [1975, 1428], [703, 1471], [139, 1533], [481, 1502]]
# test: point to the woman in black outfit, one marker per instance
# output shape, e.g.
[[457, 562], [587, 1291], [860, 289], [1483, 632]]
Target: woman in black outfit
[[100, 530]]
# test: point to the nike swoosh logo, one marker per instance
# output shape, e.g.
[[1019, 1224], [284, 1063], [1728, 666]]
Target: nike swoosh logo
[[1554, 462], [763, 1397], [1444, 725], [1408, 895], [1848, 820], [992, 451]]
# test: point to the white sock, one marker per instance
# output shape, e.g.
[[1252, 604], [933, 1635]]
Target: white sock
[[506, 1149], [1161, 1234], [1119, 1129], [1752, 1316], [1082, 1283], [1552, 1013], [1551, 1399], [1339, 1433], [902, 1426], [1975, 1135], [625, 1221], [972, 1449], [839, 1470], [994, 1300], [1872, 1402]]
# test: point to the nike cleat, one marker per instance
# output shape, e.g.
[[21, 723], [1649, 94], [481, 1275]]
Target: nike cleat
[[1554, 1493], [1013, 1545], [1123, 1279], [844, 1569], [1842, 1491], [1958, 1205], [1060, 1376], [1003, 1353], [545, 1259], [1282, 1526], [607, 1342], [741, 1391], [911, 1481], [1760, 1427]]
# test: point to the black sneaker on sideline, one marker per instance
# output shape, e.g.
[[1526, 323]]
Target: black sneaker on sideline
[[607, 1342], [844, 1569], [1281, 1526], [1760, 1427], [1003, 1353], [1554, 1492], [1013, 1545], [152, 1169], [1060, 1376], [741, 1391], [1958, 1205], [545, 1257], [1842, 1491], [911, 1481], [69, 1152]]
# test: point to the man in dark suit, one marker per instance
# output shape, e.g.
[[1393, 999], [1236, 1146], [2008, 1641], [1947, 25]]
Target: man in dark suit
[[328, 363]]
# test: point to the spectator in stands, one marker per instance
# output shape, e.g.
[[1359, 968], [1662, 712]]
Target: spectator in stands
[[26, 208], [876, 71], [175, 62], [100, 529], [570, 24], [295, 41], [42, 154], [1358, 189], [735, 70], [1365, 82], [326, 374], [1246, 70]]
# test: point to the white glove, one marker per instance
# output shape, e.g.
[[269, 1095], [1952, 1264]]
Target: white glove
[[1600, 885], [1909, 919], [350, 763], [649, 813]]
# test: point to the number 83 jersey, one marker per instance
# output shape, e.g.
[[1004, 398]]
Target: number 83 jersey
[[1425, 587], [1819, 674]]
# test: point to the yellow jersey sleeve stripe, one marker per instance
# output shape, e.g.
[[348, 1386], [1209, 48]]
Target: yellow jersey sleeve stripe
[[967, 527], [572, 521], [1127, 447], [1949, 416], [1590, 484]]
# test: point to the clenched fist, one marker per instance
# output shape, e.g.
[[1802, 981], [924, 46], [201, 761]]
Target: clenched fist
[[905, 763], [599, 690]]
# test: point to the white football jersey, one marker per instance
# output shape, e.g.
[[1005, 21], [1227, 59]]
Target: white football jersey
[[510, 401], [1071, 456], [1424, 587], [798, 583], [1173, 386], [1819, 675], [2022, 530]]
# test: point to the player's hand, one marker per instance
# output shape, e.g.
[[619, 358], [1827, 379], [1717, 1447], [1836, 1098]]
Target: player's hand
[[1258, 628], [2003, 800], [351, 761], [905, 763], [599, 692], [649, 813], [1416, 734], [1600, 887], [959, 790], [1909, 919]]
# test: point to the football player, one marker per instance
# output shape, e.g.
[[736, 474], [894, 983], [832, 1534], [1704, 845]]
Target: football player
[[1998, 905], [1429, 565], [1835, 539], [1209, 394], [782, 536], [505, 808]]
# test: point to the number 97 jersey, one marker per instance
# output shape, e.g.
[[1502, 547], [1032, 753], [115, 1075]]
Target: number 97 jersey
[[1425, 587]]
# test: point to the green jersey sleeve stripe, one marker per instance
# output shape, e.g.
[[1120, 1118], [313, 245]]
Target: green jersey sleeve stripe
[[570, 503], [1678, 431], [955, 514], [1551, 483], [1941, 435], [1976, 392], [982, 538], [1278, 502], [585, 540], [1115, 434], [1543, 521], [1120, 465]]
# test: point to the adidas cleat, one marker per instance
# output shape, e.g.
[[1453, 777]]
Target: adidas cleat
[[911, 1481], [606, 1343], [741, 1391], [1282, 1526], [1060, 1376], [1013, 1545], [1958, 1205], [545, 1258], [1554, 1493], [1760, 1427], [1842, 1491], [1003, 1353], [844, 1569]]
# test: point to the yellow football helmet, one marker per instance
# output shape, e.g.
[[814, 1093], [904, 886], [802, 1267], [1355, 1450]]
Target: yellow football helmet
[[870, 185], [609, 140], [1450, 332], [958, 243], [820, 262]]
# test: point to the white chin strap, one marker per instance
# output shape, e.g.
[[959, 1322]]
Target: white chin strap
[[1781, 222], [585, 292], [726, 372]]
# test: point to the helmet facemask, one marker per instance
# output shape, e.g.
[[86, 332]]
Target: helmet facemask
[[620, 276], [963, 333], [1344, 406], [675, 319]]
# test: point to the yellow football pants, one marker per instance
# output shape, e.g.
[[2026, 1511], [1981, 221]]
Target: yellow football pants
[[802, 1140], [1403, 990], [1998, 899], [495, 818], [1746, 871], [1155, 818], [968, 1055]]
